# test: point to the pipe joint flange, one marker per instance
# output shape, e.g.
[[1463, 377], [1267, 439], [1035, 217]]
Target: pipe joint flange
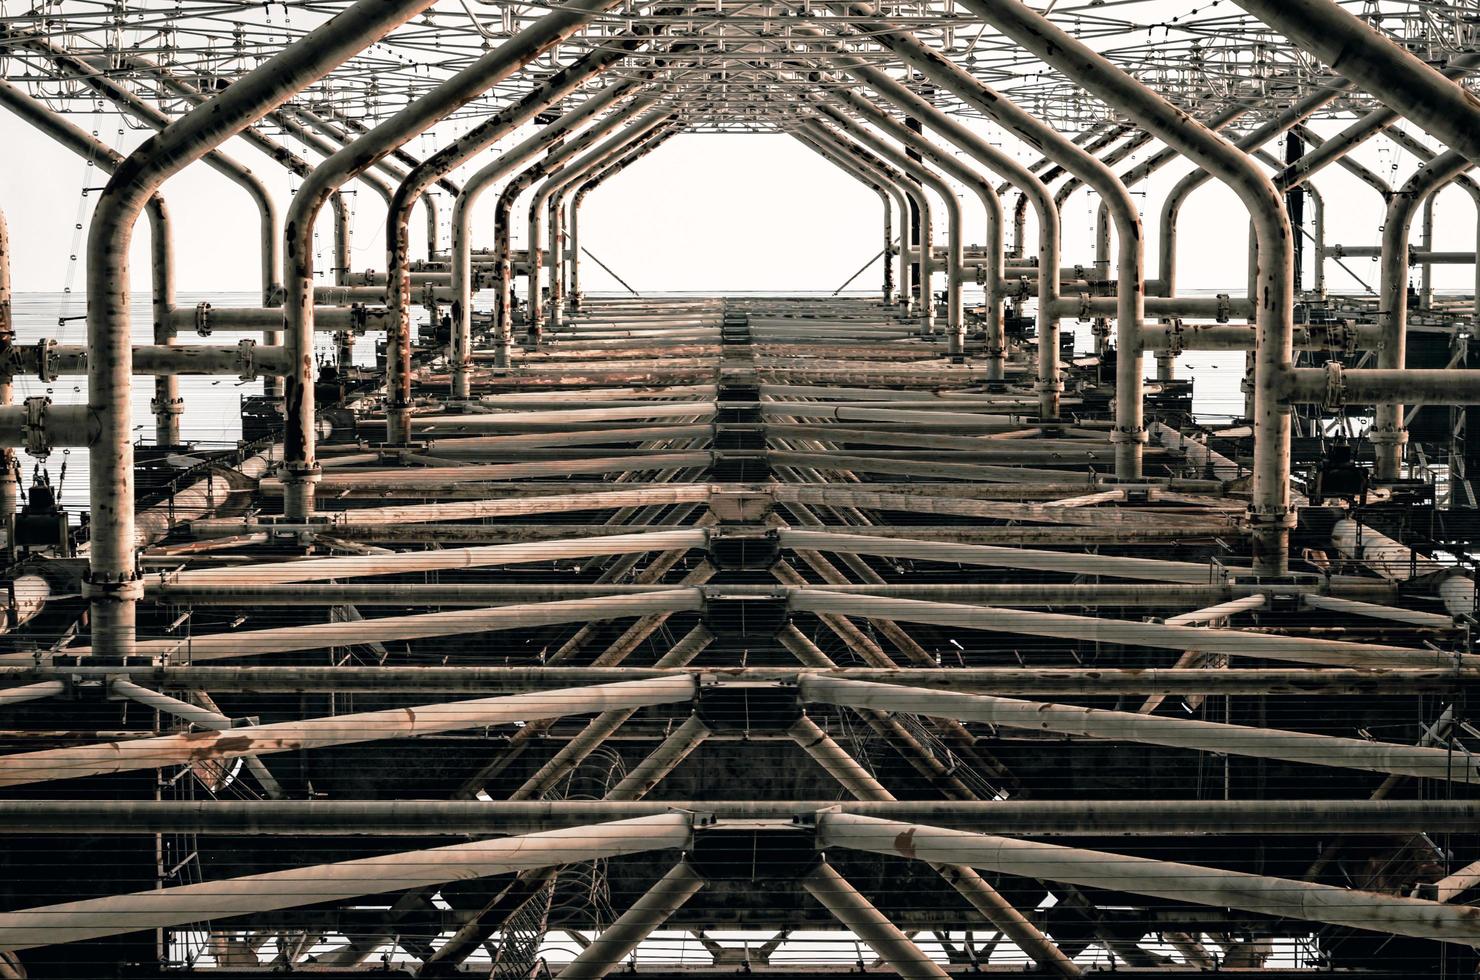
[[981, 275], [1126, 434], [1049, 387], [1335, 394], [299, 474], [1336, 252], [246, 359], [1081, 273], [203, 319], [429, 295], [48, 366], [1174, 338], [1264, 517], [1225, 307], [1085, 313], [34, 426], [359, 317], [121, 587], [993, 353], [167, 407]]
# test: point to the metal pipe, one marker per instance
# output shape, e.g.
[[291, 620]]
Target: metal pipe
[[112, 583], [1049, 385], [208, 900], [415, 184], [567, 181], [557, 174], [954, 232], [1179, 733], [131, 755], [1270, 513], [880, 178], [1170, 880], [620, 939], [1027, 818], [462, 209], [860, 917], [1129, 434], [1392, 75], [301, 470], [642, 149], [320, 636], [648, 773], [1232, 643], [996, 354], [1387, 433], [912, 298], [167, 403]]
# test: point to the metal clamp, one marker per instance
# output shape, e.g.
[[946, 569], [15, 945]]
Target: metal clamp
[[203, 319], [1335, 386], [1225, 307], [47, 368], [1174, 337], [246, 358], [34, 426]]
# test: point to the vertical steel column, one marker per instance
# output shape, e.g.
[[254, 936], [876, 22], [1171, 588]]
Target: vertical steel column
[[1388, 435], [1270, 512], [993, 242], [413, 188], [889, 179], [553, 180], [914, 196], [462, 212], [1049, 386], [301, 470], [618, 940], [552, 164], [1129, 434], [590, 185], [954, 233], [860, 917], [112, 583], [166, 403], [563, 260]]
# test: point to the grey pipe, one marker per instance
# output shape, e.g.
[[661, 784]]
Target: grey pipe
[[462, 209], [1129, 433], [860, 917], [623, 936], [301, 471], [112, 581]]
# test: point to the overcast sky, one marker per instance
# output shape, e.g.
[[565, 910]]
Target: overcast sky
[[704, 212]]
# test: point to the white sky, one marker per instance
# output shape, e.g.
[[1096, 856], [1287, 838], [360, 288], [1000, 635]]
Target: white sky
[[703, 212]]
